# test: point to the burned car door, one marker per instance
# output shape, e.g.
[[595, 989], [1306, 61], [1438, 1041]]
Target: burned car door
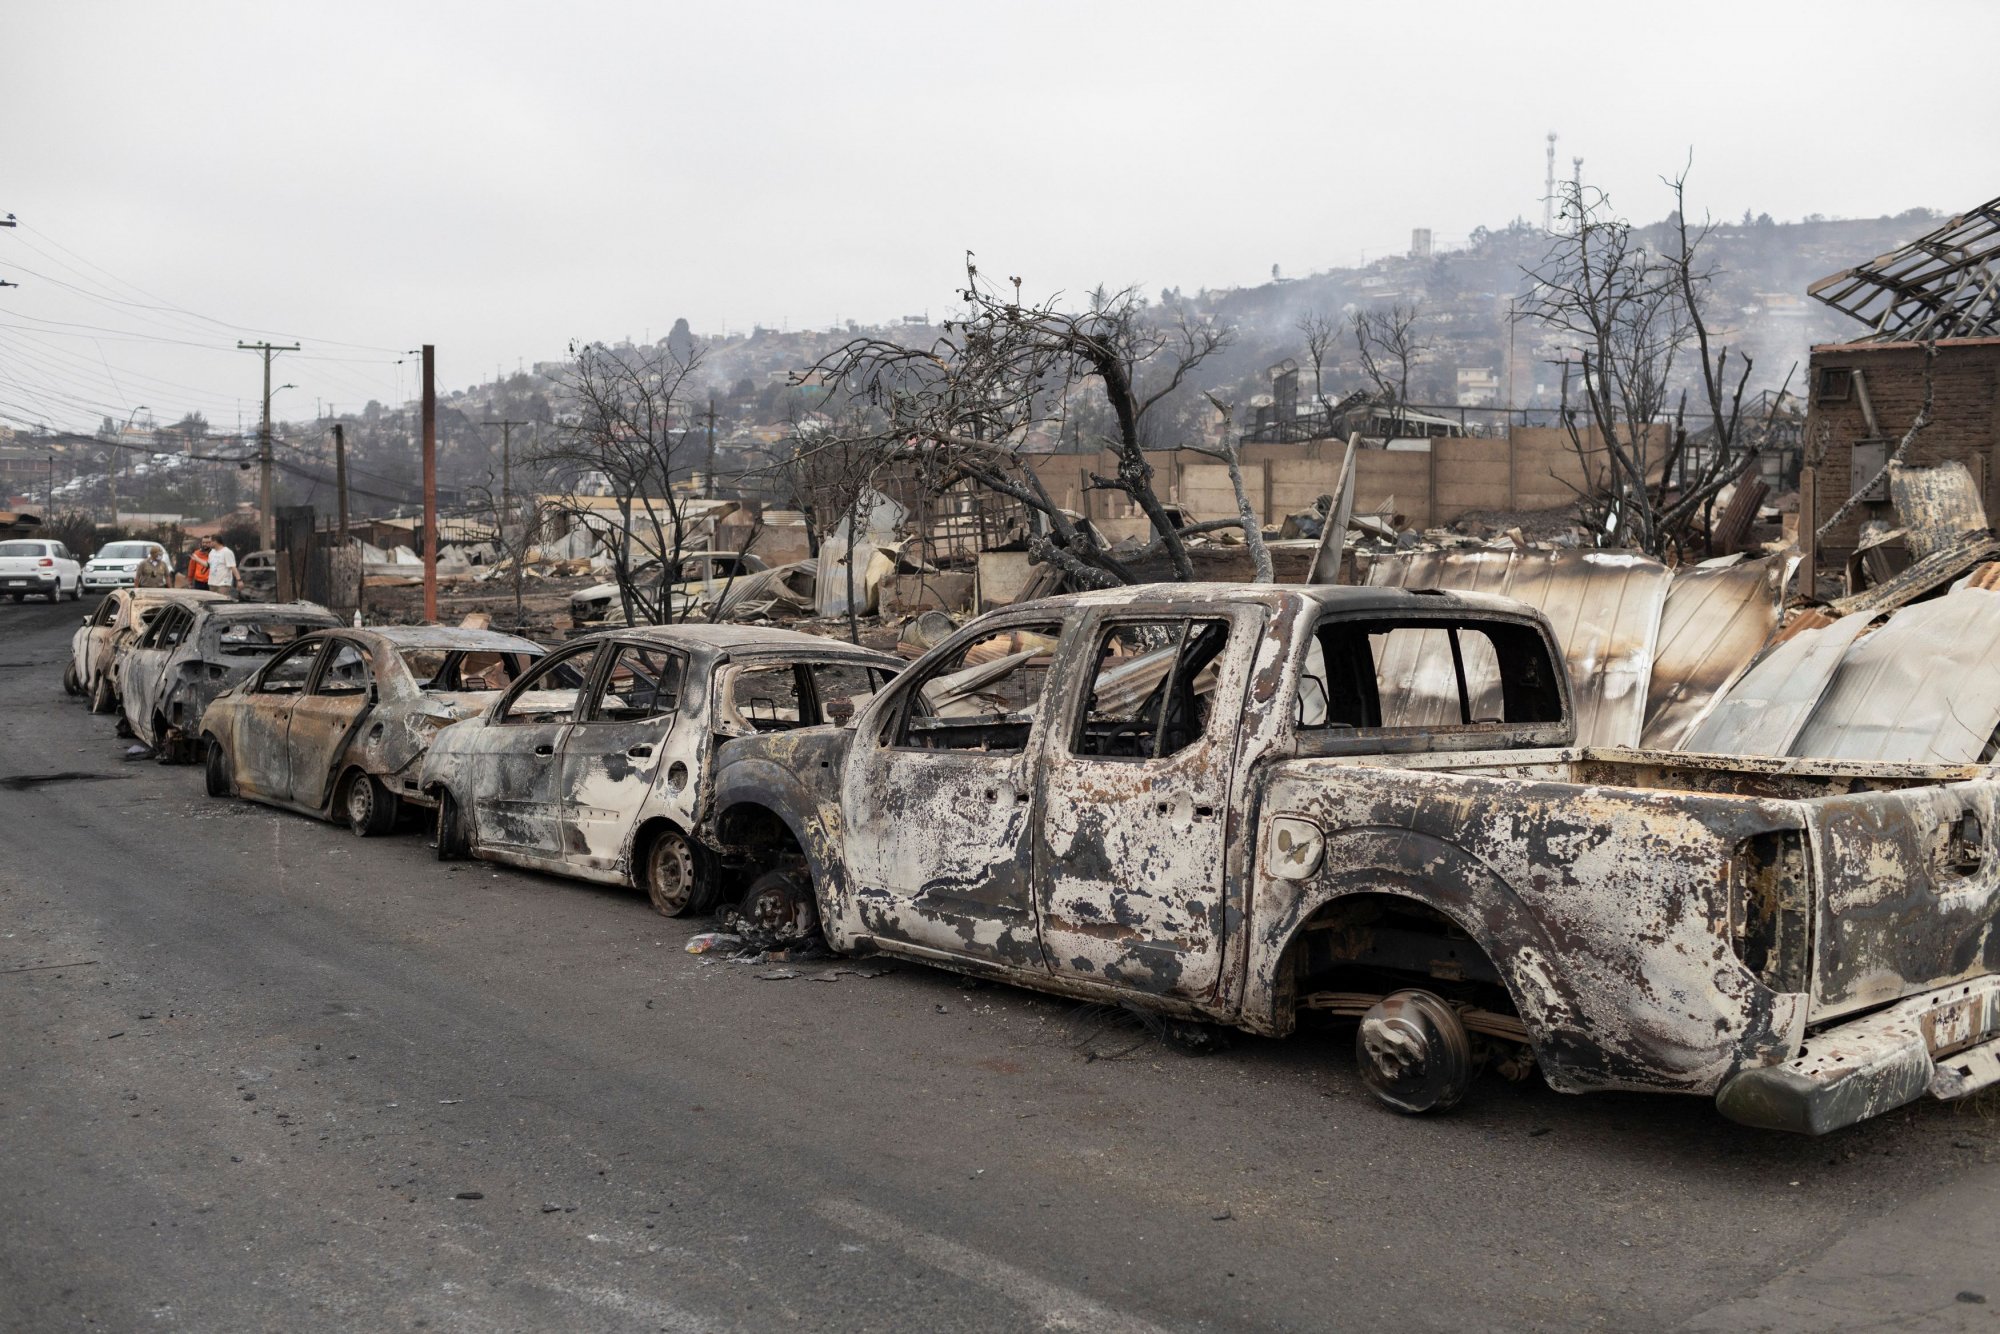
[[97, 637], [262, 761], [938, 800], [621, 738], [516, 796], [1135, 802], [324, 718], [145, 668]]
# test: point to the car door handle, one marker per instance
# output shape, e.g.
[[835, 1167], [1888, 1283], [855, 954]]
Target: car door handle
[[640, 752], [545, 749]]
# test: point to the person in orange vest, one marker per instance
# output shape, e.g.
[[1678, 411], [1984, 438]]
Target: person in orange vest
[[198, 567]]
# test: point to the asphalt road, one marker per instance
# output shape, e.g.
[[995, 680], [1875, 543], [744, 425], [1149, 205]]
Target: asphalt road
[[261, 1074]]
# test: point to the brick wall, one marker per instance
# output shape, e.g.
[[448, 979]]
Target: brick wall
[[1965, 423]]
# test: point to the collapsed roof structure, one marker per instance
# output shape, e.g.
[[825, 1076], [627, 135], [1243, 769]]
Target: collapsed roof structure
[[1944, 284]]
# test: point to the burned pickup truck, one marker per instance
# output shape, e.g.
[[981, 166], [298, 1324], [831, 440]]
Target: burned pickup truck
[[1239, 804]]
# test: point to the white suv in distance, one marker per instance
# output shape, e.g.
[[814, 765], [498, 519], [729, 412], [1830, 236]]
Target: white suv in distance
[[44, 568], [116, 563]]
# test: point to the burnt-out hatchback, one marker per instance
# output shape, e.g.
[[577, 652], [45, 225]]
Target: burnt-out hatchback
[[191, 653], [336, 725], [599, 763]]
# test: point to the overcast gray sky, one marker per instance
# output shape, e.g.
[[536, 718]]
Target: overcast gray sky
[[498, 178]]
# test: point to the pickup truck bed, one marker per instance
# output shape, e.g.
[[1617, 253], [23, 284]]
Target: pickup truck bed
[[1849, 887]]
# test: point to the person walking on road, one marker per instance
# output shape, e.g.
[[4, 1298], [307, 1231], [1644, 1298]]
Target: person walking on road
[[198, 564], [221, 569], [153, 572]]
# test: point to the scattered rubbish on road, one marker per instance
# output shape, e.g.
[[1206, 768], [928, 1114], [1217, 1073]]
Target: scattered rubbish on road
[[713, 940]]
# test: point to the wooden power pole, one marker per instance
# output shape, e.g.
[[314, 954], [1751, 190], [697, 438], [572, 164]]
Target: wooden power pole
[[708, 486], [430, 484], [267, 519], [340, 477], [506, 462]]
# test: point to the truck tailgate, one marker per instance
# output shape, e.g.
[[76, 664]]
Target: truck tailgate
[[1909, 890]]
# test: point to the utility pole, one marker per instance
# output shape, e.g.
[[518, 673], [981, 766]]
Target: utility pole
[[708, 487], [117, 457], [267, 519], [506, 462], [430, 484], [340, 477]]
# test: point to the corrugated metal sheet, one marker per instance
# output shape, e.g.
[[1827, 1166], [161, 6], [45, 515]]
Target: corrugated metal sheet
[[1934, 571], [1764, 712], [1716, 620], [1605, 607], [1939, 504], [1922, 688]]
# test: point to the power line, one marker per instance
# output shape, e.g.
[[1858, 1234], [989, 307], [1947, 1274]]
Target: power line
[[165, 304]]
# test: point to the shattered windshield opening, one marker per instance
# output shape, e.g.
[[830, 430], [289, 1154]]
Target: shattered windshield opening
[[260, 638], [448, 671]]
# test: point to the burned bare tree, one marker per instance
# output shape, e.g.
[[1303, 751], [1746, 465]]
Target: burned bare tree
[[623, 441], [1005, 371], [831, 466], [1389, 344], [1246, 517], [517, 530], [1323, 335], [1633, 314]]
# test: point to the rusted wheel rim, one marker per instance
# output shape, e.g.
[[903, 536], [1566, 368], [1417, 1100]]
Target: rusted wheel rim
[[360, 801], [1413, 1052], [771, 908], [670, 874]]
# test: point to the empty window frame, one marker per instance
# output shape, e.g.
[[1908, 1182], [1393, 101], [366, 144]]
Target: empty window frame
[[844, 689], [642, 682], [288, 673], [1151, 688], [1427, 674], [765, 698], [346, 671], [548, 693], [986, 696]]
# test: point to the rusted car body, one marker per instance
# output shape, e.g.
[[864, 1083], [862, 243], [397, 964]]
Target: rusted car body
[[598, 764], [336, 725], [108, 632], [1237, 804], [698, 578], [192, 652]]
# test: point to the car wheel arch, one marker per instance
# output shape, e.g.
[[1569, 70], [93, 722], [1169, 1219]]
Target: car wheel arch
[[1468, 896]]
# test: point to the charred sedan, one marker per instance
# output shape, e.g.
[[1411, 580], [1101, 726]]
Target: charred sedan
[[192, 652], [597, 764], [337, 724], [109, 632]]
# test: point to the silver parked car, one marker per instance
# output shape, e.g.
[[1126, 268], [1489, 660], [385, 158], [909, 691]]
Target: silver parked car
[[336, 725], [192, 652], [598, 763]]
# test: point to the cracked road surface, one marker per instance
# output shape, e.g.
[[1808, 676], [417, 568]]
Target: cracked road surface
[[261, 1074]]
